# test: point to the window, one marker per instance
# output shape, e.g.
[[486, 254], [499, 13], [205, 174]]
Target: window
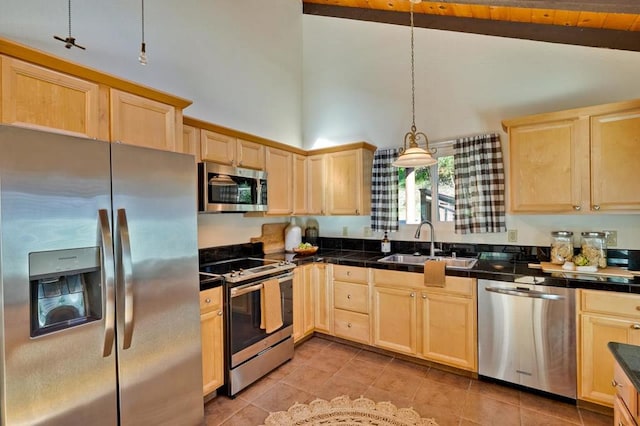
[[416, 187]]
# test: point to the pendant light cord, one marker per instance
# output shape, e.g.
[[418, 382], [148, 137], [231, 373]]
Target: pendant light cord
[[69, 10], [413, 81], [142, 21]]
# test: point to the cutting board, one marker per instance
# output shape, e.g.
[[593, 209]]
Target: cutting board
[[272, 237], [609, 271]]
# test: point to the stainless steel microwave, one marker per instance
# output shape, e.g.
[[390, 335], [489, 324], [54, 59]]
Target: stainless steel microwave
[[231, 189]]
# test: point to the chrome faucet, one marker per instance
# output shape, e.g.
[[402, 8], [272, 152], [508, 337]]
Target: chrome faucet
[[432, 249]]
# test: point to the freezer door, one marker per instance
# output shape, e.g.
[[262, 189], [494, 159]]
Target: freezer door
[[55, 208], [156, 251]]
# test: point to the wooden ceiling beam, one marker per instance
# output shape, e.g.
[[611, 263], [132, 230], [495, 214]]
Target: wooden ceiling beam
[[606, 6], [579, 36]]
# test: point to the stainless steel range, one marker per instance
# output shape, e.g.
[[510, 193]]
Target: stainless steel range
[[250, 351]]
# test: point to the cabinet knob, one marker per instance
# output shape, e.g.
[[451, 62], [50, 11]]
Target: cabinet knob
[[424, 296], [615, 384], [357, 211], [219, 313], [348, 273], [349, 325], [636, 326], [596, 207], [207, 300], [577, 207], [412, 295], [348, 296]]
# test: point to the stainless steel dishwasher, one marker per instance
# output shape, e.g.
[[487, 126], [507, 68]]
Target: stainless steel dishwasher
[[527, 333]]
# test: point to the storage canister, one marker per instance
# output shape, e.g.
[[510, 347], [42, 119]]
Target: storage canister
[[561, 247], [594, 248]]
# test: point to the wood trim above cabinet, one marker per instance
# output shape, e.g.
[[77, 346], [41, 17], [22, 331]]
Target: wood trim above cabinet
[[29, 54]]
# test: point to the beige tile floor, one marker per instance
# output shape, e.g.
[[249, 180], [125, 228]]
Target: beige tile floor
[[326, 369]]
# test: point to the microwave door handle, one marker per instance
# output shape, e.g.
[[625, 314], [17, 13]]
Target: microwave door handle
[[127, 273], [107, 271]]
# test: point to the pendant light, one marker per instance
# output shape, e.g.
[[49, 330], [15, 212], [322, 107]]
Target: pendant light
[[142, 58], [69, 41], [412, 155]]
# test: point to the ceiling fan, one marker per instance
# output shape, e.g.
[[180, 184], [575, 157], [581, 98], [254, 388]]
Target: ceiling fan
[[69, 41]]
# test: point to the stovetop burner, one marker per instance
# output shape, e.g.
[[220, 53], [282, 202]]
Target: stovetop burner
[[247, 268]]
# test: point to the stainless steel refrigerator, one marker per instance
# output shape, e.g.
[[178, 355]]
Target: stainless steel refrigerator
[[99, 312]]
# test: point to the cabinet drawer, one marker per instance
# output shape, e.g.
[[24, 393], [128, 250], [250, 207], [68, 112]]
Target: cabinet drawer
[[350, 273], [210, 300], [606, 302], [351, 325], [350, 296], [625, 390], [453, 285]]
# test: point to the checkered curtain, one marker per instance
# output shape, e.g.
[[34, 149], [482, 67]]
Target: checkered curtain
[[479, 184], [384, 191]]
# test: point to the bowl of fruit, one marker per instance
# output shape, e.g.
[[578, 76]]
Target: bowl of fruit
[[305, 249]]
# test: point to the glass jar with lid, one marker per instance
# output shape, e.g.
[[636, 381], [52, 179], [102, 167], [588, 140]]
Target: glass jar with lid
[[561, 247], [594, 248]]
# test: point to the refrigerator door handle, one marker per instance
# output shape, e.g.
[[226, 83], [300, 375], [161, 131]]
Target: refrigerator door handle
[[107, 268], [127, 269]]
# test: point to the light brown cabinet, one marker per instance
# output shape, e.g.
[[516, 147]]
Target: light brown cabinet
[[211, 312], [136, 120], [279, 181], [315, 191], [625, 403], [226, 149], [191, 142], [322, 297], [351, 303], [433, 323], [303, 312], [348, 182], [603, 317], [38, 97], [575, 161], [299, 184]]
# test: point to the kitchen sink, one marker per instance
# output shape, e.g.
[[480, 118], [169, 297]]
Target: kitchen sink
[[413, 259]]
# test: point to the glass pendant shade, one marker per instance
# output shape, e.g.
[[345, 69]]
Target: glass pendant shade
[[414, 157]]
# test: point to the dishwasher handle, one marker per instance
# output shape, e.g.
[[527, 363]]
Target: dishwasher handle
[[534, 294]]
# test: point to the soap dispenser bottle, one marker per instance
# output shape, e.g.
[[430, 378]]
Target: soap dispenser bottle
[[386, 244]]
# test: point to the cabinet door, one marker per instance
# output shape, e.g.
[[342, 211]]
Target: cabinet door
[[621, 416], [143, 122], [308, 303], [279, 181], [299, 184], [316, 177], [344, 188], [37, 97], [615, 155], [191, 142], [299, 291], [212, 339], [395, 319], [217, 147], [449, 330], [596, 362], [322, 294], [548, 166], [250, 154]]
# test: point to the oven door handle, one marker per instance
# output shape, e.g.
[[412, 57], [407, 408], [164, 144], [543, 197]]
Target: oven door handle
[[235, 292]]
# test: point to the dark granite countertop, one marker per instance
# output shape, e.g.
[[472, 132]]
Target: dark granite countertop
[[491, 269], [628, 356]]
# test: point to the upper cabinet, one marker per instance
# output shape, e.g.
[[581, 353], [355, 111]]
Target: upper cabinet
[[136, 120], [38, 97], [279, 181], [191, 141], [348, 182], [226, 149], [42, 91], [299, 184], [575, 161], [316, 176]]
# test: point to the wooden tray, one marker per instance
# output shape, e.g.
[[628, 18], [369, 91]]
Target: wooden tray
[[272, 237], [609, 271]]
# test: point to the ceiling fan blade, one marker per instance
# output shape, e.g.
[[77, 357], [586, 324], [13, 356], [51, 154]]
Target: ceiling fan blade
[[60, 38], [77, 45]]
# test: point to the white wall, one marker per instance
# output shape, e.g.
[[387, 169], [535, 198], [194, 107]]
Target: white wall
[[357, 87], [239, 61]]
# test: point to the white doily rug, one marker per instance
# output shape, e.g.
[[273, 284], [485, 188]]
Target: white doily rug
[[342, 410]]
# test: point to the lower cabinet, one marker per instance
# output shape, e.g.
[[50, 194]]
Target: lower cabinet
[[303, 321], [434, 323], [211, 310], [322, 288], [351, 303], [625, 402], [603, 317]]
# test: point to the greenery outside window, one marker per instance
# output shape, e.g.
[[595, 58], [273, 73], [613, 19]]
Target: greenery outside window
[[416, 187]]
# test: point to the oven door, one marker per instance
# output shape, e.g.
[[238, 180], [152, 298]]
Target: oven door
[[246, 338]]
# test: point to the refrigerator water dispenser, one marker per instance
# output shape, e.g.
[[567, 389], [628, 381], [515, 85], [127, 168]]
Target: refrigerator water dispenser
[[65, 289]]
